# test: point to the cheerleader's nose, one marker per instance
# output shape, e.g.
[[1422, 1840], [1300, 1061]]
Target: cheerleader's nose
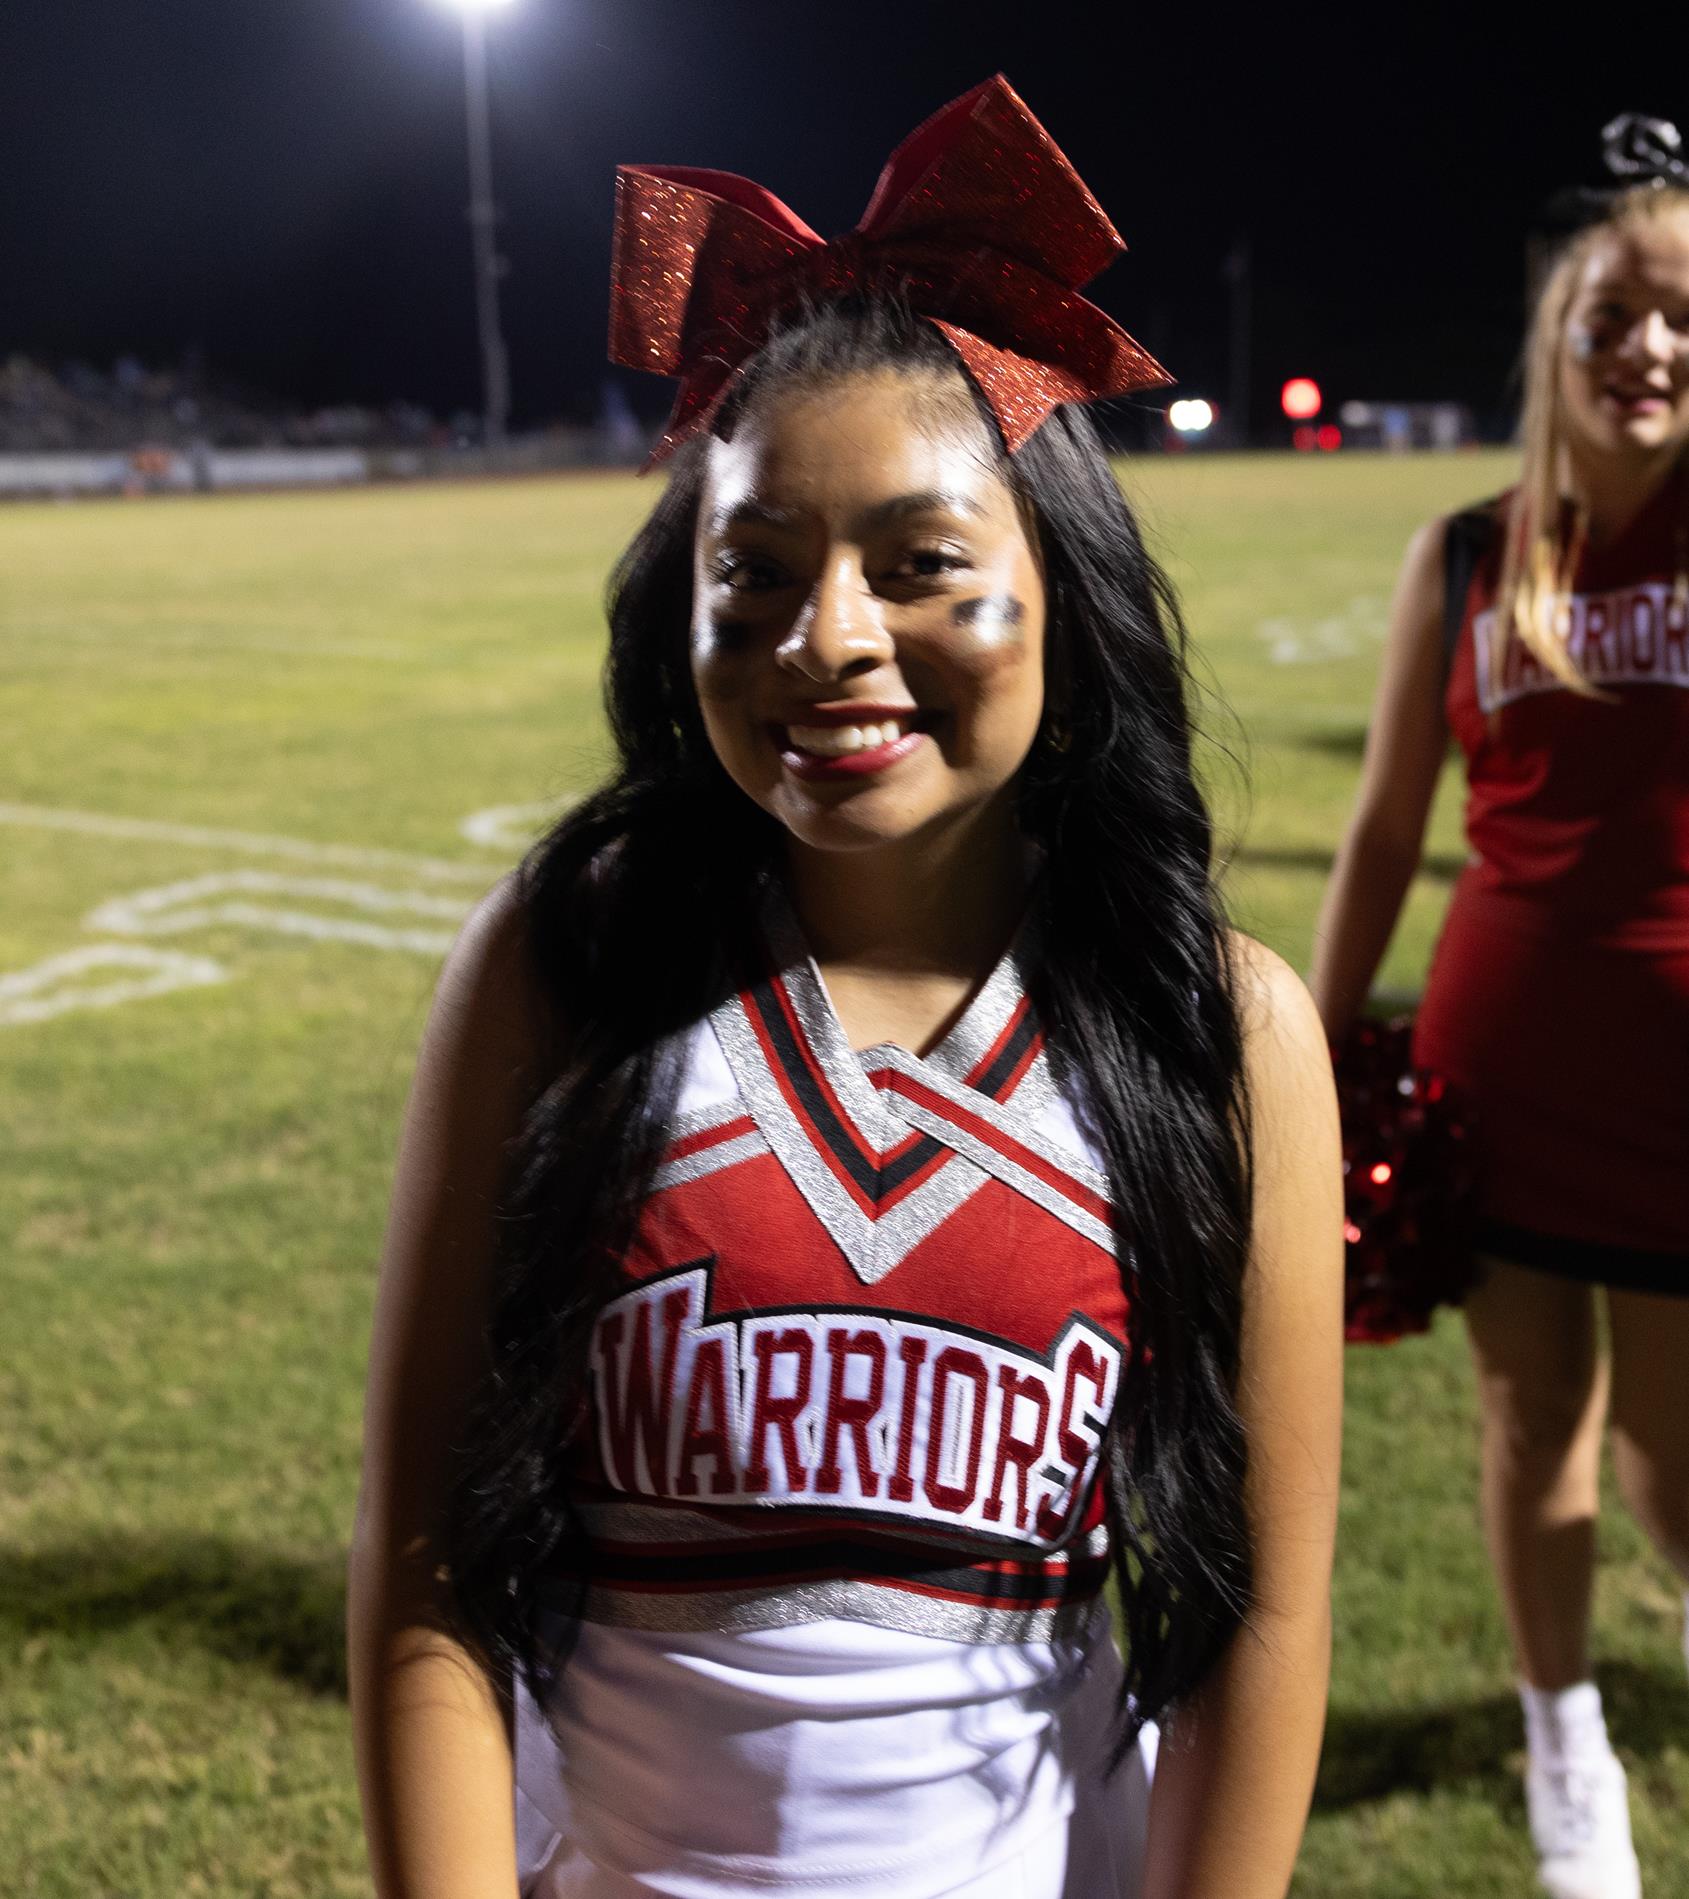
[[840, 631]]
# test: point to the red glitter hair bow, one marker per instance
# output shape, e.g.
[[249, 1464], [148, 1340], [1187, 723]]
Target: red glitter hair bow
[[978, 222]]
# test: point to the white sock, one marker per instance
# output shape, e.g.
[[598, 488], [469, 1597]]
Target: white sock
[[1562, 1722]]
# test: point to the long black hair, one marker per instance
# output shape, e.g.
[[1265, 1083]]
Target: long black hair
[[639, 906]]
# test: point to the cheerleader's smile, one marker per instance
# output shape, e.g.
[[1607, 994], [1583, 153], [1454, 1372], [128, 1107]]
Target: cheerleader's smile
[[850, 740]]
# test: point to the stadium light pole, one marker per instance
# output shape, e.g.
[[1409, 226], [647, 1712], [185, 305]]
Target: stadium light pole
[[1238, 268], [483, 219]]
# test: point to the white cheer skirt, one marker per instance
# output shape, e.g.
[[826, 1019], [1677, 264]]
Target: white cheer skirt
[[831, 1759]]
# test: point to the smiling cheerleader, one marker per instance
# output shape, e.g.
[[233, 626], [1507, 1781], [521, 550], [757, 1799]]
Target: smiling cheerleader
[[1548, 630], [857, 1196]]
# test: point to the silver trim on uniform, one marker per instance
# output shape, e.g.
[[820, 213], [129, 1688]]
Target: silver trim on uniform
[[1012, 1126], [872, 1247], [875, 1246], [957, 1053], [714, 1114], [838, 1599], [1008, 1121], [1051, 1199], [983, 1021], [709, 1160]]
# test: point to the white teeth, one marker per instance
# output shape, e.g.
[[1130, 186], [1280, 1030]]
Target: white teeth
[[839, 741]]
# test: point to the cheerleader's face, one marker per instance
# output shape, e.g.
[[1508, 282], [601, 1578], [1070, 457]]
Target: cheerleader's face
[[868, 612], [1624, 364]]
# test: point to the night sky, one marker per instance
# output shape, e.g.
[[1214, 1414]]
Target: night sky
[[279, 185]]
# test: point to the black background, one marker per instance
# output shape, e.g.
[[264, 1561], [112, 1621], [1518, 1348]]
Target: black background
[[279, 185]]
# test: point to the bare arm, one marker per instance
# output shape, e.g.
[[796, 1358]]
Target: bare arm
[[431, 1730], [1405, 748], [1236, 1768]]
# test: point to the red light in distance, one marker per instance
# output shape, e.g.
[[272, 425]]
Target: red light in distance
[[1300, 398], [1304, 436], [1329, 436]]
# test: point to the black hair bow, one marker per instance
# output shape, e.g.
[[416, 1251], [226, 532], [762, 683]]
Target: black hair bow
[[1636, 151], [1644, 151]]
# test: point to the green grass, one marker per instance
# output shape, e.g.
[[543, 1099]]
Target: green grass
[[195, 1181]]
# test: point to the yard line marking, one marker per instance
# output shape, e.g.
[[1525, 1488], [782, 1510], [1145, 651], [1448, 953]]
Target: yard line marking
[[127, 639], [1355, 628], [253, 843], [200, 903], [511, 827], [47, 989]]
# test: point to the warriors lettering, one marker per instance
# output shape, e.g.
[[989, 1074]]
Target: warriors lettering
[[1634, 636], [872, 1413]]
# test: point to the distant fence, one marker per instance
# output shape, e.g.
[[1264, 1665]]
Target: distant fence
[[210, 470]]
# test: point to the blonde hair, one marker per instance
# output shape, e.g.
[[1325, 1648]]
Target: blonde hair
[[1540, 556]]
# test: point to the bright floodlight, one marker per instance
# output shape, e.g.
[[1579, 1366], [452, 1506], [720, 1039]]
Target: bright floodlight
[[1191, 415], [475, 6], [1300, 398]]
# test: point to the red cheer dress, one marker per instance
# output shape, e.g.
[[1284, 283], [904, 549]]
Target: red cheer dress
[[1558, 998]]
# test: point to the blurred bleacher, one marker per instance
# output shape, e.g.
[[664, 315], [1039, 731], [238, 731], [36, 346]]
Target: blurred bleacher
[[131, 429]]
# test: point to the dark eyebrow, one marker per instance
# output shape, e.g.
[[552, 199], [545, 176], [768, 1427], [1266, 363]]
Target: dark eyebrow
[[751, 514], [882, 514], [905, 507]]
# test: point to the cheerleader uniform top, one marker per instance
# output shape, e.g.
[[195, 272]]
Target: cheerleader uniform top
[[842, 1629], [1559, 994], [1575, 805]]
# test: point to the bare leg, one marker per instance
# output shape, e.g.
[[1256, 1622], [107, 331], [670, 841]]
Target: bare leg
[[1542, 1392], [1651, 1416]]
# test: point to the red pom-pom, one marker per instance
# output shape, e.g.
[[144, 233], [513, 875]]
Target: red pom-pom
[[1407, 1186]]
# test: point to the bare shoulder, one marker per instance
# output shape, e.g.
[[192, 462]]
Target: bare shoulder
[[489, 1013], [1287, 1061], [1277, 1014], [474, 1076], [1295, 1143], [477, 1070], [1427, 543], [1419, 582], [492, 939]]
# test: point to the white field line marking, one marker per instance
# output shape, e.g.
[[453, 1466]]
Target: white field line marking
[[511, 827], [41, 817], [171, 909], [1359, 626], [49, 989], [123, 639]]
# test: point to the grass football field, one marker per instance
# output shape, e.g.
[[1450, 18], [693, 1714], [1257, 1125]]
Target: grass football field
[[259, 754]]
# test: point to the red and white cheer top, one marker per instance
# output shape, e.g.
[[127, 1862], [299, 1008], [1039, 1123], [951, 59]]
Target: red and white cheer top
[[871, 1337], [1579, 806], [1558, 998], [842, 1628]]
